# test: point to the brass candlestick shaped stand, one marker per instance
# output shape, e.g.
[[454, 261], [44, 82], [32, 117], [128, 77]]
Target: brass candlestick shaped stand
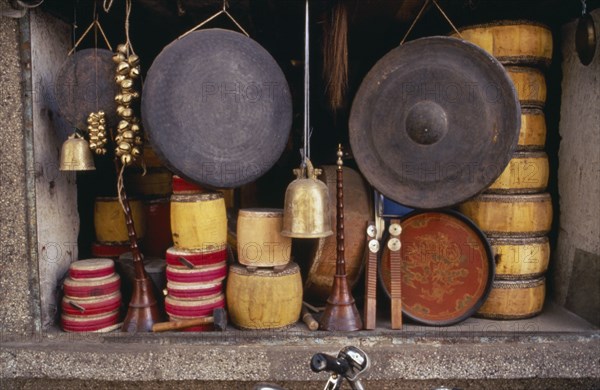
[[340, 312]]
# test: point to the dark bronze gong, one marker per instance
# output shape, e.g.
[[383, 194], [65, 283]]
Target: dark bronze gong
[[217, 108], [85, 84], [434, 122]]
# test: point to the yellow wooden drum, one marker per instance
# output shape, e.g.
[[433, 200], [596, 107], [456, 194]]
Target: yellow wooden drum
[[533, 129], [514, 299], [516, 215], [259, 239], [520, 257], [264, 299], [515, 42], [198, 221], [530, 85], [527, 172], [109, 220]]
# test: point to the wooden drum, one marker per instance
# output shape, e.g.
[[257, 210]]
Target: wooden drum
[[158, 228], [527, 172], [109, 220], [357, 213], [264, 299], [514, 299], [520, 258], [533, 129], [156, 182], [516, 215], [530, 85], [198, 221], [447, 267], [513, 42], [259, 239]]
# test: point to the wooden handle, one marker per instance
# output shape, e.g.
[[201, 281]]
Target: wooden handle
[[370, 308], [309, 320], [176, 325], [395, 271]]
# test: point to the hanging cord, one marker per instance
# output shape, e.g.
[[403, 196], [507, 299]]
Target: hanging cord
[[583, 7], [121, 187], [97, 27], [120, 178], [306, 148], [421, 13], [107, 5], [222, 11], [96, 54]]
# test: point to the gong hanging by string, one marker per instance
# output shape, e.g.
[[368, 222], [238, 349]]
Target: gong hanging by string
[[434, 122], [84, 86], [585, 36], [84, 82], [216, 106]]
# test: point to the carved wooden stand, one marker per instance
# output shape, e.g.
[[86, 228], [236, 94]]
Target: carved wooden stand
[[340, 312]]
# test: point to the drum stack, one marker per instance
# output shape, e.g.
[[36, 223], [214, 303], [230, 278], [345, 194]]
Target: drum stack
[[515, 212], [92, 298], [264, 291], [152, 184], [196, 264]]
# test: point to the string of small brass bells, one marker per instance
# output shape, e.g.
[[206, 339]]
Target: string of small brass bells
[[97, 130], [129, 140]]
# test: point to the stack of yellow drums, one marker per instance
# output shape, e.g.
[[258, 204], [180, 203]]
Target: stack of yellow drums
[[515, 212], [264, 291], [197, 262], [153, 186]]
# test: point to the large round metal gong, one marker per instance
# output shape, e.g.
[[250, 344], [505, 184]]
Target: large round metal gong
[[85, 84], [434, 122], [217, 108]]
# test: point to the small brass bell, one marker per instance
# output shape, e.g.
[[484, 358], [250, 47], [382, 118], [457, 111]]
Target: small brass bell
[[306, 208], [76, 155]]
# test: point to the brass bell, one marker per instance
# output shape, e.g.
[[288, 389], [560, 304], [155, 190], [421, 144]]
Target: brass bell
[[76, 155], [306, 208]]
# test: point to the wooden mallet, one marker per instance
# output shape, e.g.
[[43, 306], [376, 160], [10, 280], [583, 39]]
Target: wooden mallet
[[218, 319]]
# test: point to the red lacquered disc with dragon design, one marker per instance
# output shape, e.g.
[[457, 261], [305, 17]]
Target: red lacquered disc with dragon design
[[447, 267]]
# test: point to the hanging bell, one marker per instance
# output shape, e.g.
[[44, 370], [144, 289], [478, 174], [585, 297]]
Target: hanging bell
[[76, 155], [306, 211]]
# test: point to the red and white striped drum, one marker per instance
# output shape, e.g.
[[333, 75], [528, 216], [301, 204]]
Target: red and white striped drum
[[195, 290], [193, 308], [87, 288], [198, 258], [91, 268], [96, 323], [205, 274], [91, 306]]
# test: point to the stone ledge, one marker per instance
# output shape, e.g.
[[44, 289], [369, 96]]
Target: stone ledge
[[174, 358]]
